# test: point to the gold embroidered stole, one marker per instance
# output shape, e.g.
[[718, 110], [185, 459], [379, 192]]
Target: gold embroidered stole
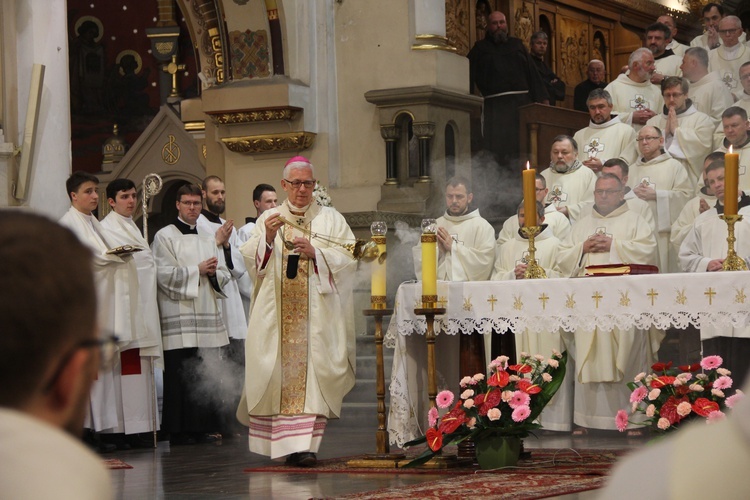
[[294, 335]]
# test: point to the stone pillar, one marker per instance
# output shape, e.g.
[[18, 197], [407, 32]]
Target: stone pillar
[[424, 131], [391, 134]]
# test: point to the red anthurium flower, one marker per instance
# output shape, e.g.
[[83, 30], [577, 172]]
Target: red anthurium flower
[[434, 439], [527, 387], [660, 367], [669, 409], [682, 390], [690, 368], [703, 406], [662, 381], [498, 379], [479, 399], [491, 400], [452, 420], [521, 368]]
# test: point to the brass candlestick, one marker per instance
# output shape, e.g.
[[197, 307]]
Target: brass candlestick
[[382, 458], [733, 262], [533, 269]]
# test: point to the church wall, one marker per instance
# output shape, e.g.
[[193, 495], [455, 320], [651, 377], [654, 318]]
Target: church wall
[[38, 34]]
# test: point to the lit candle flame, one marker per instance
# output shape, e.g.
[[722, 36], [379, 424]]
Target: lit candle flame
[[730, 151], [528, 166]]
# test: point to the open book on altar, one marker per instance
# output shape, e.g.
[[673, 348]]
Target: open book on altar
[[620, 269]]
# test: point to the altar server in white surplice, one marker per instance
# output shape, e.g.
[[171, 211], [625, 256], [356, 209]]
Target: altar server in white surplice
[[727, 59], [703, 201], [635, 99], [511, 261], [704, 250], [144, 353], [606, 136], [190, 278], [117, 288], [663, 182], [602, 361], [557, 224], [707, 91], [568, 181], [688, 133], [737, 135], [466, 241], [620, 169], [300, 355]]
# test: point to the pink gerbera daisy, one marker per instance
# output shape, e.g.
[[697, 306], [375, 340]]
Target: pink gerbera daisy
[[715, 416], [521, 413], [621, 419], [519, 399], [432, 417], [711, 362], [444, 399], [638, 394], [722, 383]]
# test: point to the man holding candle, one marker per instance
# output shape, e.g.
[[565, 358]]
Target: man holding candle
[[606, 136], [663, 183], [603, 361], [688, 133], [704, 250], [300, 355], [569, 181]]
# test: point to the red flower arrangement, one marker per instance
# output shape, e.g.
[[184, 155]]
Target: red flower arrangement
[[670, 396], [506, 402]]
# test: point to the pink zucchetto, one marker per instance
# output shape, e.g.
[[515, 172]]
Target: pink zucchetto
[[297, 159]]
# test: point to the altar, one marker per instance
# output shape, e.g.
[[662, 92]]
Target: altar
[[660, 300]]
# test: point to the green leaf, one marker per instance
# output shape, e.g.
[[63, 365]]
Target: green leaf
[[540, 401]]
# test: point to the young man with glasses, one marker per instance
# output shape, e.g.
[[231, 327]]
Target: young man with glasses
[[727, 59], [191, 279], [300, 343], [688, 133], [117, 288], [663, 182], [49, 359], [602, 361]]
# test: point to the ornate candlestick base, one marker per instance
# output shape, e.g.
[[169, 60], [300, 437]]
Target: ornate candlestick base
[[733, 262], [533, 269], [382, 458]]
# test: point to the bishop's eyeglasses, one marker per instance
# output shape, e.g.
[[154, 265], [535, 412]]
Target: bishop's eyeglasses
[[297, 184]]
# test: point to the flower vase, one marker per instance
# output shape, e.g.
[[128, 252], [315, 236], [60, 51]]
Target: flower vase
[[494, 452]]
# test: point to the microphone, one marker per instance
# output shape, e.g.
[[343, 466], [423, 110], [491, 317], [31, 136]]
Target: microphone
[[291, 266]]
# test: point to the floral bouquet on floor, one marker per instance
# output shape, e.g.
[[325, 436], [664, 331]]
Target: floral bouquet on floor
[[670, 396], [506, 403]]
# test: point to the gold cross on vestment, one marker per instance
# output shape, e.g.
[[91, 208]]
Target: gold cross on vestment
[[652, 294], [544, 298], [710, 294], [300, 222], [597, 297], [492, 301]]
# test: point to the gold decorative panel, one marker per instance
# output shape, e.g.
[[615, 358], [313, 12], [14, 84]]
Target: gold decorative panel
[[457, 25], [255, 115], [523, 27], [573, 43], [272, 143]]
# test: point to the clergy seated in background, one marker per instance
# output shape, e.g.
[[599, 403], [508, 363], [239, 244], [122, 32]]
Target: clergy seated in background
[[688, 133], [704, 250], [634, 97], [116, 279], [606, 136], [190, 279], [667, 63], [675, 46], [554, 85], [736, 127], [511, 261], [727, 58], [50, 353], [663, 183], [264, 197], [707, 91], [595, 80], [466, 241], [704, 200], [233, 311], [603, 361], [710, 40], [300, 354], [620, 169], [144, 353], [557, 224], [568, 181]]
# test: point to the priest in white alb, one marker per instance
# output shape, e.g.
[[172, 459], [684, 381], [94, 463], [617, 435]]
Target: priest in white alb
[[117, 288], [727, 59], [736, 127], [568, 181], [707, 92], [144, 353], [663, 182], [603, 361], [300, 355], [634, 98]]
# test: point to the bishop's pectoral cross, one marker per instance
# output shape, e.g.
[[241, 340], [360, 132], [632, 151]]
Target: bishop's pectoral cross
[[172, 68], [300, 222]]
